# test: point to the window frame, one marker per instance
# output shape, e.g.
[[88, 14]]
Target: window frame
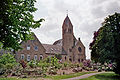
[[28, 57], [35, 57], [36, 48], [28, 47], [41, 57], [22, 56], [80, 49]]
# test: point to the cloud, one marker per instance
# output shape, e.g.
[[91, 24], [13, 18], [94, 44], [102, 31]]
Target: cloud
[[113, 7], [98, 12], [96, 2], [85, 15]]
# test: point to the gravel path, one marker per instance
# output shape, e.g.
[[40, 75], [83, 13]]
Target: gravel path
[[83, 76]]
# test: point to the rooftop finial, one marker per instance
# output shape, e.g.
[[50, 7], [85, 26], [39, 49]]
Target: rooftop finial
[[67, 12]]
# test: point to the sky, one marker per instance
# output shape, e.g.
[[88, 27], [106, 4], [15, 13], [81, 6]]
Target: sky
[[85, 15]]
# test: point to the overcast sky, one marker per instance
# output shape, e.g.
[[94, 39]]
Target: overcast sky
[[85, 15]]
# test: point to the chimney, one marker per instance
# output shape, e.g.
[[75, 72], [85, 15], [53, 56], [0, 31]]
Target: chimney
[[79, 39]]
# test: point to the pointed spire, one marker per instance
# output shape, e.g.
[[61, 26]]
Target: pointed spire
[[67, 21]]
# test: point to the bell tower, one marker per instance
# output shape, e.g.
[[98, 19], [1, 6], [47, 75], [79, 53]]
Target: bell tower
[[67, 35]]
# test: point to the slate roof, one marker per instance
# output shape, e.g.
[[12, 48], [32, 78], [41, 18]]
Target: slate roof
[[57, 49], [58, 42]]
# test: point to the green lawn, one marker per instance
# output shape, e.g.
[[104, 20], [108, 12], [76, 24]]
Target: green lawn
[[103, 76], [13, 79], [58, 77]]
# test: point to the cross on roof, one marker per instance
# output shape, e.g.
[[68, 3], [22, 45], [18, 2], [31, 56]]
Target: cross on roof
[[67, 12]]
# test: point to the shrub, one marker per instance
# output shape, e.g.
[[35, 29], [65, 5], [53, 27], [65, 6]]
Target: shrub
[[58, 56], [47, 60], [2, 69], [54, 62], [7, 63], [41, 64], [81, 64], [52, 70], [23, 63], [7, 58], [17, 70], [87, 63], [32, 64], [65, 64]]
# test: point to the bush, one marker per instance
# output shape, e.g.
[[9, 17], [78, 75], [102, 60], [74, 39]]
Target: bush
[[81, 64], [32, 64], [7, 58], [23, 63], [41, 64], [54, 62], [58, 56], [7, 63], [116, 67], [87, 63], [17, 70], [52, 70], [2, 69], [47, 60], [65, 64]]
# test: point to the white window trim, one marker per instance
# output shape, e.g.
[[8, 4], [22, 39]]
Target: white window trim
[[28, 47], [28, 57], [22, 56], [35, 57], [41, 56]]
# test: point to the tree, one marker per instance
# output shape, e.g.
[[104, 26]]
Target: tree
[[106, 42], [16, 22]]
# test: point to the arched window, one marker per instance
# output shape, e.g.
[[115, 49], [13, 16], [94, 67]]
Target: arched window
[[22, 56], [70, 59], [35, 57], [82, 60], [78, 60], [65, 58], [41, 57], [28, 57], [79, 49]]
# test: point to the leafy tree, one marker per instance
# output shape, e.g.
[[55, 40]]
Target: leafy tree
[[16, 22], [106, 42]]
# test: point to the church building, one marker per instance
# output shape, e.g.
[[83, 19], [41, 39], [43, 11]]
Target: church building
[[69, 47]]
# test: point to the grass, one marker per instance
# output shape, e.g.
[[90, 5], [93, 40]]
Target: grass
[[104, 76], [58, 77], [13, 79]]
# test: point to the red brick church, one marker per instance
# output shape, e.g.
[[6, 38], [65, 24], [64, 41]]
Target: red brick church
[[69, 47]]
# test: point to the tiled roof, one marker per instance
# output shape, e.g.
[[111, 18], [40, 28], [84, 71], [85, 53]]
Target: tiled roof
[[57, 49], [58, 42]]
